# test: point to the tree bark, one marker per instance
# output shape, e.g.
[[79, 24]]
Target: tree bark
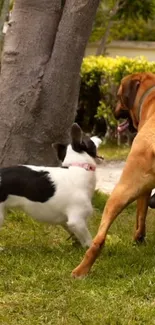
[[39, 81], [4, 12]]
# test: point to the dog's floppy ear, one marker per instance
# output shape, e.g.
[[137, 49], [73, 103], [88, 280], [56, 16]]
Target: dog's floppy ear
[[129, 92], [76, 134], [60, 150]]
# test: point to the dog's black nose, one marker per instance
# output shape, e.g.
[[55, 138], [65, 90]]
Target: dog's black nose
[[124, 114]]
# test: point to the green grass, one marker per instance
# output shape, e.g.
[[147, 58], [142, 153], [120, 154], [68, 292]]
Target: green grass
[[35, 283], [111, 151]]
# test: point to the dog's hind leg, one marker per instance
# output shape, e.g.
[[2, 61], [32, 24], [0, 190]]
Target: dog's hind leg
[[142, 207]]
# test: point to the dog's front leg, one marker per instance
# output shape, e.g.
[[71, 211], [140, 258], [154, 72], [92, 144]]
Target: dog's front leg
[[115, 204], [78, 227], [124, 193], [142, 207]]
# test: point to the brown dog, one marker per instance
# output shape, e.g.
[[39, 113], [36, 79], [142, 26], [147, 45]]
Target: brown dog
[[136, 101]]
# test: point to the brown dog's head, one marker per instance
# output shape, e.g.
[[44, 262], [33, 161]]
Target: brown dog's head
[[129, 95]]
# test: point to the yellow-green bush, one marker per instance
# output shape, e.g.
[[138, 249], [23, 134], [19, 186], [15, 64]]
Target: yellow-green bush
[[100, 77]]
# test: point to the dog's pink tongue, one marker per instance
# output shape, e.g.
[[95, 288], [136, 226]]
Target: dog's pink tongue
[[123, 126]]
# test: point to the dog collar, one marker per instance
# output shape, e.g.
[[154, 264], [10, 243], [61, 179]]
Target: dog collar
[[88, 167], [146, 93]]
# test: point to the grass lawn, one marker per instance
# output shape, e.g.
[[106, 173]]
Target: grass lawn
[[35, 283], [111, 151]]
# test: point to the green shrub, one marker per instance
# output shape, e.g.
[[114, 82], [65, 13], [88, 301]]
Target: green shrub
[[100, 77]]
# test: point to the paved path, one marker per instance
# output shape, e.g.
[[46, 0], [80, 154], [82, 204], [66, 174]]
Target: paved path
[[108, 174]]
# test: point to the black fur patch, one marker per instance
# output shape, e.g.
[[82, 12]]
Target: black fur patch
[[86, 145], [152, 202], [23, 181]]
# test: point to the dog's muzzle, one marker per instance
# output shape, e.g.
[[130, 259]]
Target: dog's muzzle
[[127, 124]]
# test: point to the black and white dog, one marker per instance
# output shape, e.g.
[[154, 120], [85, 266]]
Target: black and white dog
[[57, 195]]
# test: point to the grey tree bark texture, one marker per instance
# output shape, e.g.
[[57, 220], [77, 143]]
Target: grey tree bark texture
[[39, 81]]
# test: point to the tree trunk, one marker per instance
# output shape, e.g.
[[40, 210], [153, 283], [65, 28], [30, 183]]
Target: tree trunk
[[39, 83], [102, 47], [4, 12]]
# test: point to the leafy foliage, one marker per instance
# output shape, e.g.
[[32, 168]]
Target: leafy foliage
[[100, 77], [2, 2], [11, 4], [102, 17], [136, 30], [1, 5], [132, 20], [136, 9]]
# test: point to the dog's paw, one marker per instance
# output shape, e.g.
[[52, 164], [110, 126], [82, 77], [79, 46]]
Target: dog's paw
[[78, 273], [74, 240], [139, 238], [87, 243], [81, 271], [76, 243]]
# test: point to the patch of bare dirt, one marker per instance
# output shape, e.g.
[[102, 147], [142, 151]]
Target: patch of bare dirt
[[108, 174]]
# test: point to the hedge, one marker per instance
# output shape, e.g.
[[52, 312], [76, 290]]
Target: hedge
[[100, 77]]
